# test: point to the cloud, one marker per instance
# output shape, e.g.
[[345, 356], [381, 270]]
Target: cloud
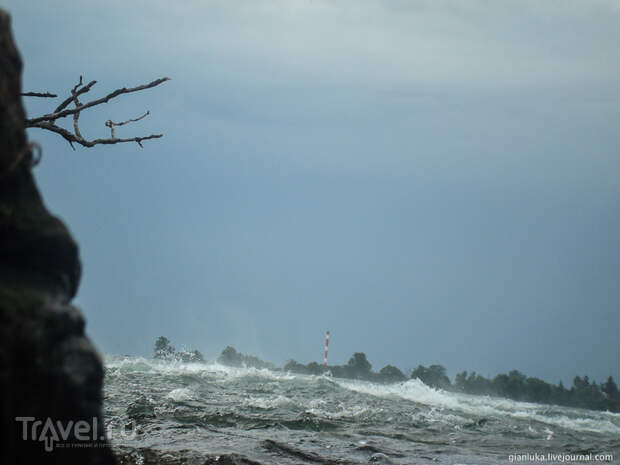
[[451, 45], [475, 45], [518, 90]]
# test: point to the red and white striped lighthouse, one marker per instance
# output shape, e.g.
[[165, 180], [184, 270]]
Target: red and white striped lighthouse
[[326, 347]]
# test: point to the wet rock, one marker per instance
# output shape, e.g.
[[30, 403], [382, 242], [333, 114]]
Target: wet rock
[[49, 370], [380, 459], [11, 111]]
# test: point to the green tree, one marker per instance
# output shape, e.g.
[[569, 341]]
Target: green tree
[[537, 390], [358, 366], [511, 385], [609, 387], [585, 394], [391, 374], [560, 395], [612, 395], [477, 384], [190, 356], [433, 376], [294, 367], [579, 383], [163, 348], [314, 368], [230, 357], [460, 381]]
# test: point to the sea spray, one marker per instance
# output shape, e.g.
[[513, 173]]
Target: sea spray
[[270, 416]]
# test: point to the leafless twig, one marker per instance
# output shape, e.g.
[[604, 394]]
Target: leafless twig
[[48, 121], [38, 94], [111, 124], [69, 99], [70, 137]]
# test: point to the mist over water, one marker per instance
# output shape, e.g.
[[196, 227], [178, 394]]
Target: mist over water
[[270, 416]]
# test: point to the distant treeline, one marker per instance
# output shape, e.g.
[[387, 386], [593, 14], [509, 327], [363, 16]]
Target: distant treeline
[[358, 367], [517, 386], [514, 385]]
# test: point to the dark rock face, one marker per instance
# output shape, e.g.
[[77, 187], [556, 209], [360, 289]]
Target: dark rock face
[[11, 111], [50, 374]]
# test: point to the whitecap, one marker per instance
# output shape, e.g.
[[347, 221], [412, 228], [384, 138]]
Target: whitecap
[[181, 394]]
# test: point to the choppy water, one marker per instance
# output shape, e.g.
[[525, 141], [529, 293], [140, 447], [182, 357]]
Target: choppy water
[[277, 417]]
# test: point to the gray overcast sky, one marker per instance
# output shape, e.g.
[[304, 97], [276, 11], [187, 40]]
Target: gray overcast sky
[[433, 181]]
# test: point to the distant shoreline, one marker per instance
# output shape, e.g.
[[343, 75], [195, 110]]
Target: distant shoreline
[[514, 385]]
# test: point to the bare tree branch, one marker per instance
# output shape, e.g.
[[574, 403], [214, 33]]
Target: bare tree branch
[[77, 85], [38, 94], [68, 100], [76, 116], [111, 124], [71, 138], [48, 122], [106, 99]]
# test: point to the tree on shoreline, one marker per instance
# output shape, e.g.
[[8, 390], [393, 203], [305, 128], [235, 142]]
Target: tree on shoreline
[[433, 376], [609, 387], [165, 351], [230, 357], [391, 374], [358, 366], [163, 348]]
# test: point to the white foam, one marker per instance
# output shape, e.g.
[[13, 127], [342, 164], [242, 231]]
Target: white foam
[[267, 402], [351, 411], [127, 363], [265, 373], [314, 403], [223, 372], [181, 394], [549, 434], [415, 390]]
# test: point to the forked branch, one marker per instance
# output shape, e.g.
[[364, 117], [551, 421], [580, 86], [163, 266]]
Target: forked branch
[[48, 121], [111, 124]]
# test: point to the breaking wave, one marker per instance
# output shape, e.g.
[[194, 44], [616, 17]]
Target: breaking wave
[[261, 412]]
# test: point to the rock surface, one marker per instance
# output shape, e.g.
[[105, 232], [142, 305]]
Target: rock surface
[[48, 367]]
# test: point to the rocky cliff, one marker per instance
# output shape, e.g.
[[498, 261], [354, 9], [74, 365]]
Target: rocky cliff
[[50, 374]]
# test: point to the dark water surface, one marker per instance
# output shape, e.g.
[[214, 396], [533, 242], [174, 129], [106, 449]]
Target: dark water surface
[[278, 417]]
